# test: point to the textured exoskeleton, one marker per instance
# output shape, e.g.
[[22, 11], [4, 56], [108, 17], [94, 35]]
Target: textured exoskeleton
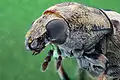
[[90, 35]]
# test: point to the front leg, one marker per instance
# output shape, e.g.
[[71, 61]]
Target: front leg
[[63, 75], [47, 60]]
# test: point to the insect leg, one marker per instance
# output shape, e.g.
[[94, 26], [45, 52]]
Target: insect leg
[[59, 59], [58, 64], [47, 60], [63, 75]]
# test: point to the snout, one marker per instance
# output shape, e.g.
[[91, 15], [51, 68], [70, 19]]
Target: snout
[[31, 44], [35, 45]]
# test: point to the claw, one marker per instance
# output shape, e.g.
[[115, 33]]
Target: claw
[[36, 53], [33, 53]]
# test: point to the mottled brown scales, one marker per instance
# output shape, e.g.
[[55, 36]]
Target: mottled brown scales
[[74, 13]]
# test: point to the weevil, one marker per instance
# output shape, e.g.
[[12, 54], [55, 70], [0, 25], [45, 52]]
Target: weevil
[[90, 35]]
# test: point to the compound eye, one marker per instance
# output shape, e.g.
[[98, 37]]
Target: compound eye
[[56, 29]]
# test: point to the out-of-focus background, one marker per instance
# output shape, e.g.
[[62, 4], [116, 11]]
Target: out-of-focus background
[[16, 16]]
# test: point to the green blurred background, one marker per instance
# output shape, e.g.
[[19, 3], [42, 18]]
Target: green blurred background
[[16, 16]]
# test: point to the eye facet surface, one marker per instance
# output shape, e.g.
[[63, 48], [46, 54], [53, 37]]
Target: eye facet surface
[[56, 30]]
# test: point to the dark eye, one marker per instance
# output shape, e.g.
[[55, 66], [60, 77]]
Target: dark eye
[[34, 44], [56, 29]]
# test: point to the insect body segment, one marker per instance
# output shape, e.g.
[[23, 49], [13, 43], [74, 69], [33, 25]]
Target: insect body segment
[[47, 60], [89, 35]]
